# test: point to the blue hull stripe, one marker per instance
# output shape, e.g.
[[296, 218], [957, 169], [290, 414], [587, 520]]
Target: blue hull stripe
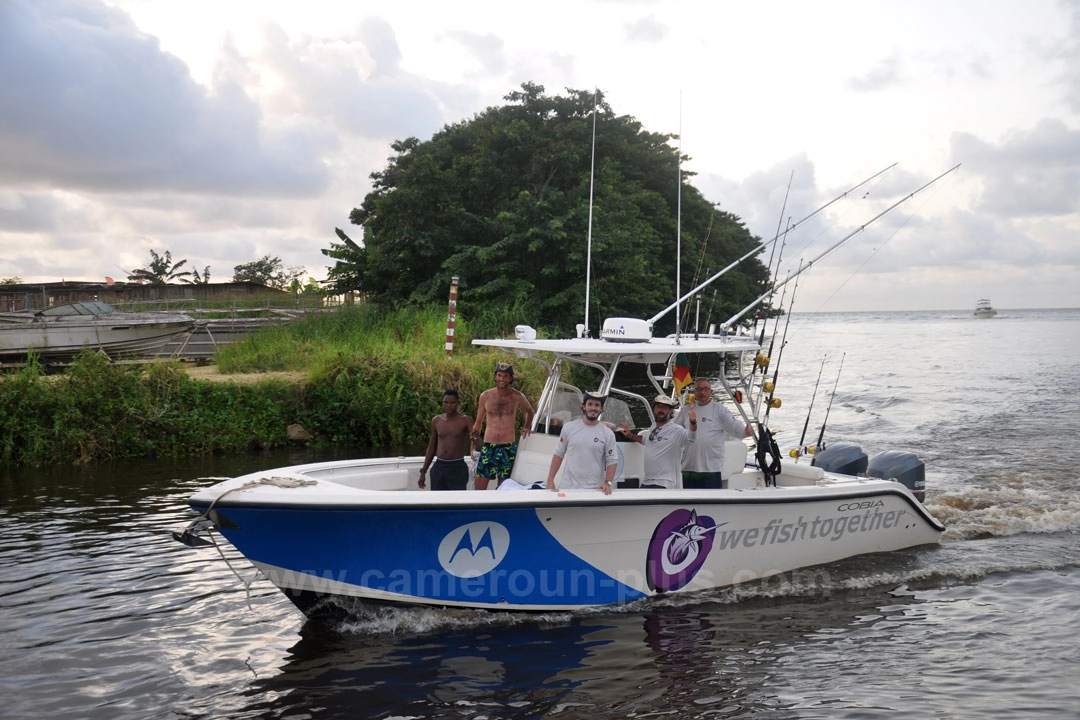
[[485, 556]]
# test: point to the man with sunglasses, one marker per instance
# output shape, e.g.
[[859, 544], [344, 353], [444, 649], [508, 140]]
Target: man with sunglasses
[[664, 444], [713, 422], [499, 407]]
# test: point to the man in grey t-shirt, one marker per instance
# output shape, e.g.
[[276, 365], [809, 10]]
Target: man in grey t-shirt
[[664, 444], [587, 446], [714, 423]]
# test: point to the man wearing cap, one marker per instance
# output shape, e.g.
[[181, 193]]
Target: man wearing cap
[[664, 444], [713, 422], [588, 448], [499, 407]]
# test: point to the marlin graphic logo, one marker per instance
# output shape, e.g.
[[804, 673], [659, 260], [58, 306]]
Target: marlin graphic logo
[[682, 545], [474, 549], [679, 547]]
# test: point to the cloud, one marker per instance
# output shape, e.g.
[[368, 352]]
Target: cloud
[[887, 73], [353, 81], [1030, 173], [1067, 51], [90, 102], [646, 30], [488, 50]]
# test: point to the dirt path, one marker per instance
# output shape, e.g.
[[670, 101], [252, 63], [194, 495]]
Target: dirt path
[[211, 373]]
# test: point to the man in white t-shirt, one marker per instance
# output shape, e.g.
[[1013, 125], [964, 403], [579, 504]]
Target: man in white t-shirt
[[664, 444], [705, 458], [587, 447]]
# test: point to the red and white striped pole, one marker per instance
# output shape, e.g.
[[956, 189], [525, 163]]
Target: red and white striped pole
[[450, 317]]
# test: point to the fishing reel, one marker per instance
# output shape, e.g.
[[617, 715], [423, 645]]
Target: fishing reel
[[808, 450]]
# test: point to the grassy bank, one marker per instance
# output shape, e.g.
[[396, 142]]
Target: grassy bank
[[366, 379]]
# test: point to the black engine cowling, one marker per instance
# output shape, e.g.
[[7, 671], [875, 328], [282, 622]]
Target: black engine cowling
[[843, 458], [904, 467]]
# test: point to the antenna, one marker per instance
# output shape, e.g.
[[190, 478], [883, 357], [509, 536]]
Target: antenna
[[678, 227], [592, 178]]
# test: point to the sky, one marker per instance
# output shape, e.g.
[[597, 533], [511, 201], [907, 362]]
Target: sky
[[226, 130]]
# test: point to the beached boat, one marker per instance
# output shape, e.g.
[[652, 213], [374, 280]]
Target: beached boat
[[61, 332], [338, 536], [983, 309]]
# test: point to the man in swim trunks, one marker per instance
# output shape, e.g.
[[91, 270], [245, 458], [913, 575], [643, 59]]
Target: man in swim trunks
[[446, 449], [498, 407]]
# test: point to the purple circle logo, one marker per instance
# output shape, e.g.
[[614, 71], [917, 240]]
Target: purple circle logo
[[679, 547]]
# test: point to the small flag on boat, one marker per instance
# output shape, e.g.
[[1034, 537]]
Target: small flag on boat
[[680, 373]]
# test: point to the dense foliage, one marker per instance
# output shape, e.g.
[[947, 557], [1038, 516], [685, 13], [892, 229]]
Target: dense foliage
[[365, 378], [503, 202], [99, 411]]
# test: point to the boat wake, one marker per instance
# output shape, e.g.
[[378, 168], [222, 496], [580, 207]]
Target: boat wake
[[1031, 502]]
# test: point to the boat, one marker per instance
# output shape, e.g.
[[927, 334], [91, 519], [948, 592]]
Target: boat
[[983, 309], [59, 333], [343, 536], [348, 536]]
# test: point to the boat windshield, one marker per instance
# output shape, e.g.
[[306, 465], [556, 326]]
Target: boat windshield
[[565, 406], [90, 307]]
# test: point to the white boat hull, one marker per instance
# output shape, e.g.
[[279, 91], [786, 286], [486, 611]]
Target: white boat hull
[[116, 334], [346, 537]]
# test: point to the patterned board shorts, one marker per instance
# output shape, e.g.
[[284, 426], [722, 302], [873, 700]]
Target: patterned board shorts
[[496, 461]]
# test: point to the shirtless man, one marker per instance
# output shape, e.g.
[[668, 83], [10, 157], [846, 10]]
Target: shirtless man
[[449, 434], [499, 406]]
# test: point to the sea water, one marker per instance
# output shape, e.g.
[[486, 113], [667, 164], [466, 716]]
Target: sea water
[[103, 615]]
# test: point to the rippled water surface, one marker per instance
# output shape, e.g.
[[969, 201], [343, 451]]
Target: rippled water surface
[[103, 615]]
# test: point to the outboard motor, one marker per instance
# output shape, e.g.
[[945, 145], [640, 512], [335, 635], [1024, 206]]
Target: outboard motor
[[843, 458], [903, 467]]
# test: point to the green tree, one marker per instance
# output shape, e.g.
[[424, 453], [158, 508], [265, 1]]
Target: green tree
[[502, 201], [11, 281], [268, 271], [198, 278], [160, 270], [349, 264]]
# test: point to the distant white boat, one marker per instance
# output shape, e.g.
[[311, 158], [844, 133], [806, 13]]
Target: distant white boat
[[60, 332], [983, 309]]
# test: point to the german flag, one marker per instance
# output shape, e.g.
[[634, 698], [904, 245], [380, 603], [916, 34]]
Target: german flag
[[680, 373]]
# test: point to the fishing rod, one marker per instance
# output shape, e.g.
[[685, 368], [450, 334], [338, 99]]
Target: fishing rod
[[821, 435], [770, 388], [766, 446], [765, 244], [803, 268], [700, 262], [712, 306], [772, 254], [802, 438], [776, 323]]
